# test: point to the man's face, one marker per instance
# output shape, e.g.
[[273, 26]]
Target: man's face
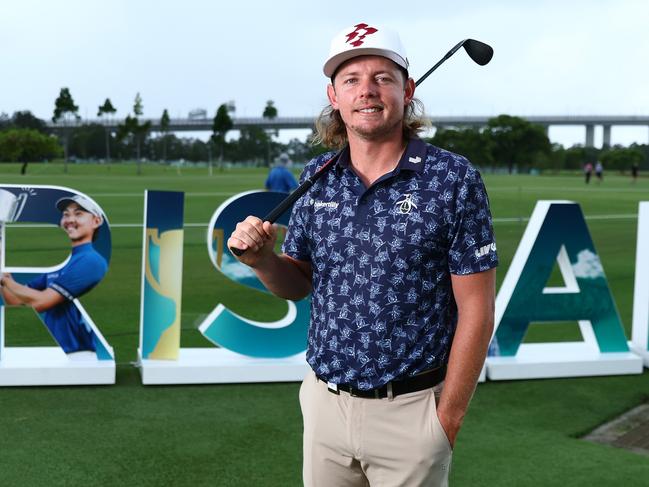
[[371, 94], [79, 224]]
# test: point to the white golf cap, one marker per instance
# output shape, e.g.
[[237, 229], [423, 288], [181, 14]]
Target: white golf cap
[[361, 40], [82, 201]]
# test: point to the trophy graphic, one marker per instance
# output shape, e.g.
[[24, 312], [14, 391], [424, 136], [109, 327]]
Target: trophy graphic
[[11, 206]]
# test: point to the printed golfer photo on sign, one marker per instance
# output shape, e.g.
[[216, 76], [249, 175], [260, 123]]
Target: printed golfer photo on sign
[[52, 294]]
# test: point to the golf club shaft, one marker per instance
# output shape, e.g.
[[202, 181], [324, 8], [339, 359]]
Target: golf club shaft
[[299, 191], [294, 196], [440, 62]]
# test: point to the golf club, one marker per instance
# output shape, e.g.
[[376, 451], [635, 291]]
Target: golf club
[[479, 52]]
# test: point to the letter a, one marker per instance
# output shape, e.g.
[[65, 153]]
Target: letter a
[[557, 231]]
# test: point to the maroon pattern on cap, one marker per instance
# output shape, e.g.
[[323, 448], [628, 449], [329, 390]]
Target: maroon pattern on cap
[[356, 34]]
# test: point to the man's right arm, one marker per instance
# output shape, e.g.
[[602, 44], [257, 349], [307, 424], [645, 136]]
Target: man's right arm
[[284, 276], [8, 297], [15, 293]]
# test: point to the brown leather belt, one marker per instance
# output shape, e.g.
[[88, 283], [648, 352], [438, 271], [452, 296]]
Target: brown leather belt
[[419, 382]]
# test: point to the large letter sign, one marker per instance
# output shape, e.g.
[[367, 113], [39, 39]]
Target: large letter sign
[[257, 339], [83, 355], [248, 351], [640, 338], [162, 275], [557, 231]]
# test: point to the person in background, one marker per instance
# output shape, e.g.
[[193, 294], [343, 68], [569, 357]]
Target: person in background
[[280, 178], [635, 168], [599, 171], [588, 171]]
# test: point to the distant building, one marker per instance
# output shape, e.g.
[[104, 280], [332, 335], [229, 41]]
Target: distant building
[[197, 114]]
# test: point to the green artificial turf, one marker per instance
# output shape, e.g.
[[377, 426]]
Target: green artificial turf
[[517, 433]]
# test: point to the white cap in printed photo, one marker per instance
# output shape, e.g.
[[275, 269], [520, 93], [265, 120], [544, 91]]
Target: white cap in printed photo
[[83, 202], [361, 40]]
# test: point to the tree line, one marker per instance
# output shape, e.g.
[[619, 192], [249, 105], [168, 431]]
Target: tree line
[[514, 144], [26, 138], [506, 143]]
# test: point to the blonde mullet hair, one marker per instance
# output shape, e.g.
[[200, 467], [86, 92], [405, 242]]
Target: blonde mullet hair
[[331, 132]]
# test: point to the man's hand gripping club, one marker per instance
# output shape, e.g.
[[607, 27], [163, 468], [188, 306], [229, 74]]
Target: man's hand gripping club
[[256, 237], [282, 275]]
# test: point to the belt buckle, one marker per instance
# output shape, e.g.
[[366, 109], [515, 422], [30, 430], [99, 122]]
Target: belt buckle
[[375, 392], [333, 387]]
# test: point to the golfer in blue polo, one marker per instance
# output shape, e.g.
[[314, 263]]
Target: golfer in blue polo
[[52, 294]]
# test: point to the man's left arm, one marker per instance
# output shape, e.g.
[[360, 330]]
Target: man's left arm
[[475, 297]]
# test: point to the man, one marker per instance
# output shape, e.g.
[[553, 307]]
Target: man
[[599, 171], [52, 294], [396, 244], [588, 171], [280, 178]]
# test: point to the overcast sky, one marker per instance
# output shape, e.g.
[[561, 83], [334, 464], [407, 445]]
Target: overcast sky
[[551, 57]]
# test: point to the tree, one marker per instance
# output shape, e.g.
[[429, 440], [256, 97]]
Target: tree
[[578, 155], [164, 130], [88, 141], [557, 160], [516, 142], [644, 149], [470, 143], [252, 144], [107, 109], [26, 120], [140, 130], [196, 150], [133, 128], [299, 150], [25, 145], [221, 125], [5, 121], [66, 110], [622, 158], [270, 112], [125, 132]]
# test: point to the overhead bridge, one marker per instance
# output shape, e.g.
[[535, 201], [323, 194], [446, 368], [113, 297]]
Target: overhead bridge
[[589, 122]]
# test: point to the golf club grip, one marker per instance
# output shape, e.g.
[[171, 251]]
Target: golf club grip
[[284, 205], [287, 202]]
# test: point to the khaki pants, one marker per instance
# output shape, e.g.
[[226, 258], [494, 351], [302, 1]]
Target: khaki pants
[[352, 441]]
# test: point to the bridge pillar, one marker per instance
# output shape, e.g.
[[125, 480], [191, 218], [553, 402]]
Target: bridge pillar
[[607, 137], [590, 135]]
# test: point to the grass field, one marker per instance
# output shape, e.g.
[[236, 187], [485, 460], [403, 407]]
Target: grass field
[[522, 433]]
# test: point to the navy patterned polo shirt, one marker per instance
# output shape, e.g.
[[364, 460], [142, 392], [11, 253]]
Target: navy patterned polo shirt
[[382, 304]]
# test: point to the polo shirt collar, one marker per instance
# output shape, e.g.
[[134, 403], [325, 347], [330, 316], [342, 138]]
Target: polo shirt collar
[[343, 160], [77, 249], [413, 157]]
